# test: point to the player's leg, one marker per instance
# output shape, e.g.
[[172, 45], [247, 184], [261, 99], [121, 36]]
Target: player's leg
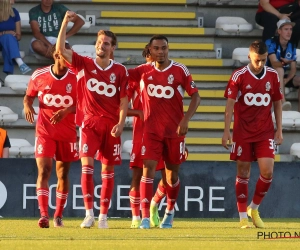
[[134, 196], [265, 153], [62, 190], [241, 191], [146, 191], [158, 196], [44, 166], [87, 187]]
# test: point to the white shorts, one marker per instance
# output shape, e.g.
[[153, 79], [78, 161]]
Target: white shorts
[[51, 39]]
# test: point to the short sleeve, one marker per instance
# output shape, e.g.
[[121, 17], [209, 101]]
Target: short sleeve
[[232, 88], [123, 82], [187, 82], [32, 88], [17, 15], [271, 46]]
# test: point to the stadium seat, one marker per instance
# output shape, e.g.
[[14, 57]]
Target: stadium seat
[[17, 82], [241, 55], [233, 24], [85, 50], [298, 56], [36, 109], [7, 115], [295, 149], [22, 54], [290, 119], [258, 26], [127, 146], [20, 148]]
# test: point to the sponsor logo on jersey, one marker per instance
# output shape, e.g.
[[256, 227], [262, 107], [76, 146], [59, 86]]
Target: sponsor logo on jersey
[[248, 86], [170, 79], [94, 71], [193, 85], [268, 86], [239, 151], [101, 88], [40, 149], [160, 91], [150, 78], [143, 150], [112, 78], [257, 99], [229, 91], [69, 88], [132, 157], [85, 148], [58, 100], [47, 87], [288, 55]]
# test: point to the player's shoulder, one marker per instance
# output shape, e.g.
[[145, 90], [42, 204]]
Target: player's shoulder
[[180, 66], [239, 73], [120, 67], [270, 70], [40, 72]]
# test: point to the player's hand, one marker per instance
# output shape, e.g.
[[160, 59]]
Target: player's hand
[[225, 139], [286, 61], [183, 127], [285, 16], [278, 138], [29, 113], [70, 16], [117, 130], [58, 116]]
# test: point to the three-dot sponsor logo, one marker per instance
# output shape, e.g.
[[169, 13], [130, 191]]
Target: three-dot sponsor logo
[[160, 91], [101, 88], [257, 99], [58, 100]]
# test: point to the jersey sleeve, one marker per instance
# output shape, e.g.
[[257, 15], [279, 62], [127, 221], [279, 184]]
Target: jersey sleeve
[[271, 46], [135, 75], [232, 88], [63, 9], [77, 62], [123, 82], [32, 89], [17, 15], [188, 83], [33, 14], [294, 54], [277, 93]]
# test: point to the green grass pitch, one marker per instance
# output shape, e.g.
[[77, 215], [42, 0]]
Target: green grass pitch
[[186, 234]]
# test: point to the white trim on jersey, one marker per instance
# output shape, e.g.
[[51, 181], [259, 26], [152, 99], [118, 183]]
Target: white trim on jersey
[[142, 85], [80, 74], [40, 71], [171, 64], [184, 68], [265, 71], [111, 63], [123, 67], [181, 90], [273, 70], [236, 75]]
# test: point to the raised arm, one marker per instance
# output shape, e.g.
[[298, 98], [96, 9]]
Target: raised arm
[[61, 39], [78, 23]]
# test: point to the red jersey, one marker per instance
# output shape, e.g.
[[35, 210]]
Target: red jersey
[[254, 98], [276, 4], [162, 96], [54, 94], [134, 94], [99, 90]]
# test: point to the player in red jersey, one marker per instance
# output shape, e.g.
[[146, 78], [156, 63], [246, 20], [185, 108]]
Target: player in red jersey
[[136, 162], [103, 102], [162, 85], [250, 92], [55, 87]]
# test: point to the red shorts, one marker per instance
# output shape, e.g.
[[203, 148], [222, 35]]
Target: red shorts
[[171, 150], [137, 161], [45, 147], [95, 135], [251, 151]]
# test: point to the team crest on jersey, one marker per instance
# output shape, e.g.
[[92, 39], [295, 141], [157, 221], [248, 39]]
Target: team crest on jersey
[[268, 86], [143, 150], [193, 85], [171, 79], [288, 55], [40, 149], [112, 78], [85, 148], [132, 157], [229, 91], [239, 151], [69, 88]]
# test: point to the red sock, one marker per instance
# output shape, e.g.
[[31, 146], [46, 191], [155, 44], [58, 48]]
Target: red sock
[[172, 194], [262, 186], [159, 194], [61, 198], [241, 192], [106, 190], [43, 199], [87, 186], [135, 202], [146, 190]]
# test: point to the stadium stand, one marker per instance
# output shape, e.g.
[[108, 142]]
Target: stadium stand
[[20, 148], [18, 83], [134, 22], [7, 115], [234, 25]]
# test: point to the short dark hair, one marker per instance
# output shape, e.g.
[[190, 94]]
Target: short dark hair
[[158, 37], [146, 51], [109, 34], [259, 47]]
